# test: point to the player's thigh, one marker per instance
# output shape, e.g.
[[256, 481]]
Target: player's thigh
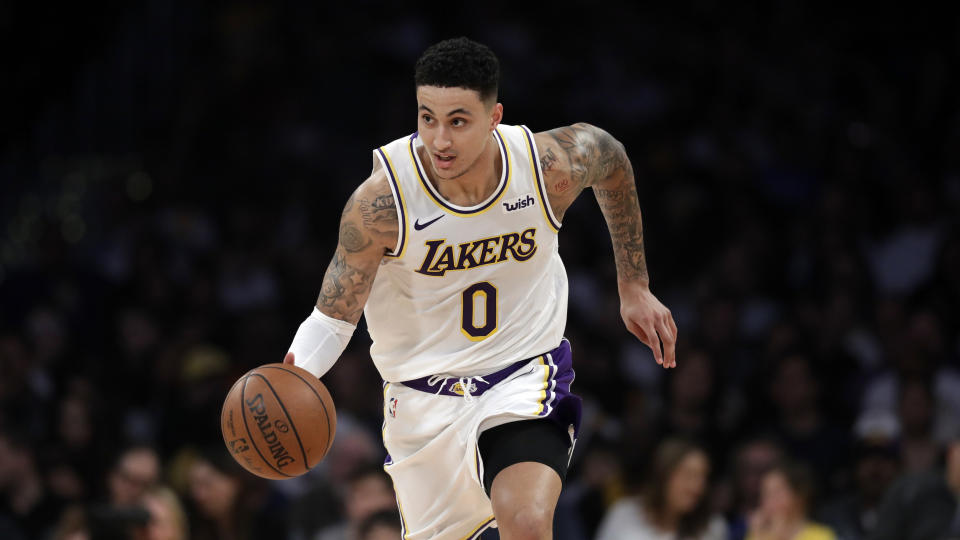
[[524, 465], [524, 495], [539, 441]]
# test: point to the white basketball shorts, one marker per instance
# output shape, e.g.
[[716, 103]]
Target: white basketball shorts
[[431, 428]]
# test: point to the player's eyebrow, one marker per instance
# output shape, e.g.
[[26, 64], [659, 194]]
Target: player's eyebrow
[[461, 110]]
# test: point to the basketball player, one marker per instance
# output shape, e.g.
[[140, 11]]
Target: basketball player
[[450, 250]]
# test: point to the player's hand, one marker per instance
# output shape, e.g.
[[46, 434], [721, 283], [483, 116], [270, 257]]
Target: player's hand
[[288, 359], [648, 319]]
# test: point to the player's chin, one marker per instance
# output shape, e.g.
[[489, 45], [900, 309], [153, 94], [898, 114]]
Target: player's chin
[[447, 173]]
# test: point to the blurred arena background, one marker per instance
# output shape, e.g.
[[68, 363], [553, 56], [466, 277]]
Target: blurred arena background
[[171, 178]]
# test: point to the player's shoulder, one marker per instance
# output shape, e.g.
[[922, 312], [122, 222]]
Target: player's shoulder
[[375, 185], [372, 211], [578, 137]]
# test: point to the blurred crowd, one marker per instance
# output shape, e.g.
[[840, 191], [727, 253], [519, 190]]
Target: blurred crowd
[[171, 176]]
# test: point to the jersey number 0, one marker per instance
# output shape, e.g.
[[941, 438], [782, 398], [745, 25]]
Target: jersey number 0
[[474, 327]]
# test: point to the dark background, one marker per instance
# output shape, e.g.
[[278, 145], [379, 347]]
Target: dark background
[[171, 177]]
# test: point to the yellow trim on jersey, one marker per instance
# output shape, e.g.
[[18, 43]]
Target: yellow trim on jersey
[[540, 180], [483, 524], [446, 207], [403, 206], [546, 384]]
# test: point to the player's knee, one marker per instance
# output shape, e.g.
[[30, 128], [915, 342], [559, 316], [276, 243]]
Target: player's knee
[[526, 522]]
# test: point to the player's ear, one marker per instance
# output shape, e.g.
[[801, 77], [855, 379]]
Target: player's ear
[[496, 116]]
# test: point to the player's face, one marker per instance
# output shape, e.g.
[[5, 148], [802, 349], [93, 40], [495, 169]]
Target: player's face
[[455, 126]]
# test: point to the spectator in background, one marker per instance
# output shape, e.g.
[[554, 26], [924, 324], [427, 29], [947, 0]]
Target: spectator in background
[[369, 490], [136, 470], [806, 434], [916, 410], [674, 502], [24, 498], [922, 385], [692, 399], [596, 483], [751, 461], [229, 503], [382, 525], [786, 496], [168, 521], [317, 497], [853, 516], [924, 506]]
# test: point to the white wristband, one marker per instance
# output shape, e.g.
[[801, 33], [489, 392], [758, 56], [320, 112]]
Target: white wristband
[[319, 342]]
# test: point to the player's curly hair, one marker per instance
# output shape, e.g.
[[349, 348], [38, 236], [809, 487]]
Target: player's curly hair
[[460, 62]]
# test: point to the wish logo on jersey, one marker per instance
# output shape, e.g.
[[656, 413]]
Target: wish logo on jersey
[[442, 257], [519, 204]]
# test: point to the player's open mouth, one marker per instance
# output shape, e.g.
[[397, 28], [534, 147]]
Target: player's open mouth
[[443, 161]]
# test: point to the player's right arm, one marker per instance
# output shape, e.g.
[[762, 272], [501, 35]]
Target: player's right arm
[[369, 227]]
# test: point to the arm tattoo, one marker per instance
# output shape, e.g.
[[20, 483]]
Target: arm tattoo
[[547, 160], [622, 212], [600, 161], [380, 217], [365, 226], [352, 239], [569, 140], [343, 287]]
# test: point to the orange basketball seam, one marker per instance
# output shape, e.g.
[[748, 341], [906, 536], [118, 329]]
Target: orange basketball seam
[[243, 393]]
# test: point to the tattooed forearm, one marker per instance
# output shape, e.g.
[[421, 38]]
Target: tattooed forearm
[[622, 213], [344, 290]]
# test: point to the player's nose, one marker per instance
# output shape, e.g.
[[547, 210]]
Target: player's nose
[[442, 140]]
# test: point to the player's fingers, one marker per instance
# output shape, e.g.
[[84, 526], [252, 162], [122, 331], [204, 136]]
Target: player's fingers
[[652, 341], [638, 331], [635, 330], [669, 344], [288, 359]]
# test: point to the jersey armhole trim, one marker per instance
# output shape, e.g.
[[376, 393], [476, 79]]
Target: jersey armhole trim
[[401, 205], [541, 181]]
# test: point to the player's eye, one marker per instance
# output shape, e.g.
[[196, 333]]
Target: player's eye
[[459, 122], [426, 119]]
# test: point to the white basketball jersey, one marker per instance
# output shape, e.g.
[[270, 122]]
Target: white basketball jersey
[[467, 290]]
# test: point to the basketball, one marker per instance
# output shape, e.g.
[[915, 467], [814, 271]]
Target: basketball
[[278, 421]]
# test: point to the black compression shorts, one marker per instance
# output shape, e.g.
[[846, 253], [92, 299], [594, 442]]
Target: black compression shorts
[[540, 441]]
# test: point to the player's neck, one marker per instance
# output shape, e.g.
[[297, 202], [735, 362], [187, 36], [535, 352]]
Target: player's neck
[[477, 183]]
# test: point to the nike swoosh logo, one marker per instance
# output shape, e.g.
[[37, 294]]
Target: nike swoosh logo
[[420, 226]]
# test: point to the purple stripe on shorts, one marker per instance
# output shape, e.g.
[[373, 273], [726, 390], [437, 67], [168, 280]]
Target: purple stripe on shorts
[[565, 407], [560, 405], [445, 387]]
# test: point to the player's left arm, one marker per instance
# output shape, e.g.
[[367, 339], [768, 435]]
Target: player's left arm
[[576, 157]]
